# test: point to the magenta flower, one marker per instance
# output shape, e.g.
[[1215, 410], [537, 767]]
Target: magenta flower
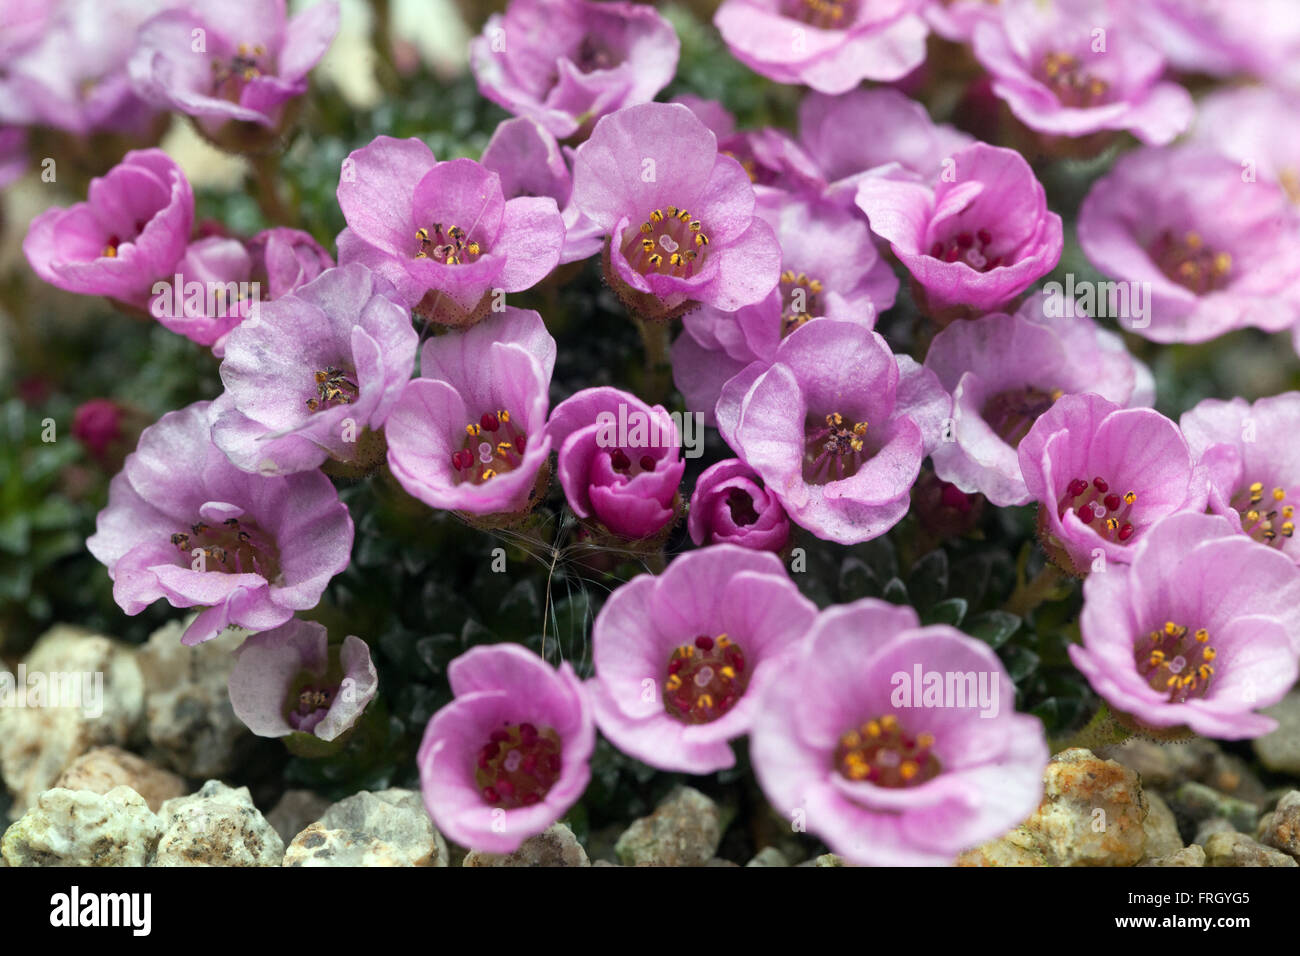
[[1103, 476], [772, 159], [290, 680], [975, 239], [1257, 127], [231, 62], [222, 280], [529, 162], [830, 45], [508, 757], [1253, 473], [443, 233], [877, 133], [956, 20], [1214, 251], [683, 659], [836, 426], [129, 232], [1226, 37], [619, 460], [184, 524], [680, 218], [730, 506], [1078, 67], [469, 433], [829, 267], [315, 376], [897, 744], [1004, 372], [65, 65], [1201, 630], [567, 63]]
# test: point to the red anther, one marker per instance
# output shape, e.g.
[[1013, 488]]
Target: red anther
[[952, 255], [984, 236], [647, 463], [675, 665], [521, 442], [489, 422], [1126, 532], [490, 795], [736, 659], [527, 733], [619, 460], [498, 736], [505, 788], [528, 799], [1084, 514], [529, 763], [704, 642], [965, 240], [936, 250], [1100, 485], [1112, 502], [1077, 487]]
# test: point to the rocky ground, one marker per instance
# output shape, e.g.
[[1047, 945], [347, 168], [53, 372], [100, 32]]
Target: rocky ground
[[149, 782]]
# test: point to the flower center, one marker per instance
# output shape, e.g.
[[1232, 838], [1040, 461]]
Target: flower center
[[229, 77], [593, 55], [492, 445], [450, 248], [881, 752], [1100, 508], [518, 765], [313, 703], [1012, 413], [833, 449], [970, 248], [670, 242], [1265, 520], [231, 547], [741, 506], [800, 300], [1065, 76], [705, 679], [1175, 661], [827, 14], [333, 387], [1191, 263]]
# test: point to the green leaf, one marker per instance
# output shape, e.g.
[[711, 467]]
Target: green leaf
[[993, 627], [951, 611]]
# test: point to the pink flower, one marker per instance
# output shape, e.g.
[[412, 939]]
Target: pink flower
[[183, 524], [830, 45], [508, 757], [619, 460], [829, 267], [469, 434], [291, 680], [1079, 67], [956, 20], [976, 239], [529, 161], [223, 61], [730, 506], [836, 426], [897, 744], [1199, 631], [683, 659], [130, 232], [1103, 476], [1215, 251], [680, 217], [1004, 371], [567, 63], [315, 377], [876, 133], [1251, 464], [442, 233]]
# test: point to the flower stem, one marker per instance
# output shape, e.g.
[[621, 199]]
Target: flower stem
[[1028, 595], [266, 176], [655, 338], [1103, 730]]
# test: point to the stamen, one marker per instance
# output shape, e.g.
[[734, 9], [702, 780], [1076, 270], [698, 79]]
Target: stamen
[[881, 752], [704, 679], [478, 459], [1172, 661]]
